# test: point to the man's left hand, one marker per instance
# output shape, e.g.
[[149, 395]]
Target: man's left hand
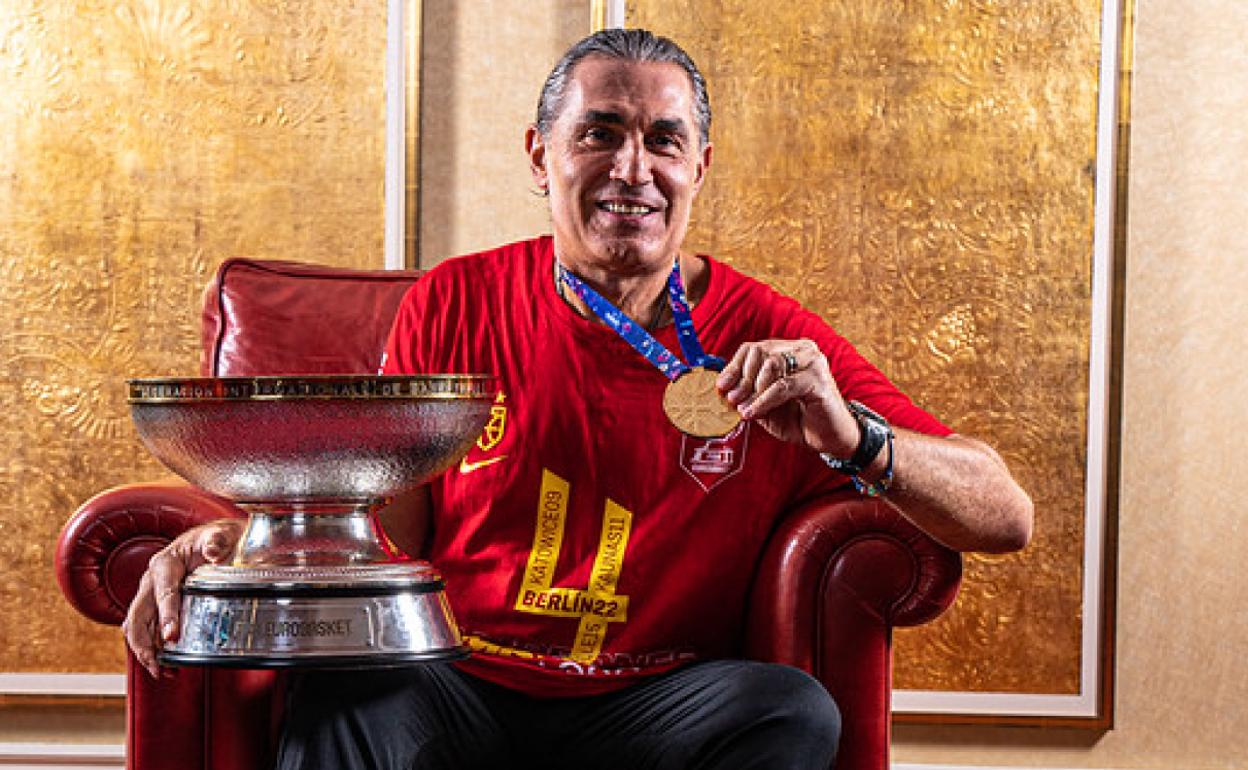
[[787, 387]]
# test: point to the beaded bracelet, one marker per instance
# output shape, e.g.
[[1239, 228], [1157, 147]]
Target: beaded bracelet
[[882, 484]]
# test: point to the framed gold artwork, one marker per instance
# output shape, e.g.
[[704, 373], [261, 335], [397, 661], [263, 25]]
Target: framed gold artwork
[[944, 183], [144, 141]]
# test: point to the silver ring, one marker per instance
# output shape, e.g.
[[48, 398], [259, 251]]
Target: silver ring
[[790, 364]]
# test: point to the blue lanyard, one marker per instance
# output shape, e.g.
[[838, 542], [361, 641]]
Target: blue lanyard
[[636, 335]]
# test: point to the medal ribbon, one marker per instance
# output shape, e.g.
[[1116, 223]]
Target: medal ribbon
[[636, 335], [690, 345]]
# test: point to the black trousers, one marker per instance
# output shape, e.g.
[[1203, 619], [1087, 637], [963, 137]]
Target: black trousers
[[727, 715]]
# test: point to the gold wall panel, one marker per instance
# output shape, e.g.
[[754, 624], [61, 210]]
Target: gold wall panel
[[142, 142], [921, 174], [486, 57]]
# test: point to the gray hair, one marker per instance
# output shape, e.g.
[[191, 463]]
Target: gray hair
[[636, 45]]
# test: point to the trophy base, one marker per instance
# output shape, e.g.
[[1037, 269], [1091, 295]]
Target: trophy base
[[367, 616], [324, 662]]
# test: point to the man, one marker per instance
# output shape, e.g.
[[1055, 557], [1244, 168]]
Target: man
[[597, 573]]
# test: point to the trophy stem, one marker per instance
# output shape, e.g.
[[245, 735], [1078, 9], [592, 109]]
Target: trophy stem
[[320, 534]]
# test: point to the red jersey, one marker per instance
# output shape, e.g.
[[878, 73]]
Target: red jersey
[[584, 540]]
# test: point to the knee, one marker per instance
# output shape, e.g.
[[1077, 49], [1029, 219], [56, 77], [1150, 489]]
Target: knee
[[351, 719], [316, 696], [794, 710], [803, 705]]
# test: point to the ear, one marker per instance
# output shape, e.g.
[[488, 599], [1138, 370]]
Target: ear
[[704, 165], [535, 146]]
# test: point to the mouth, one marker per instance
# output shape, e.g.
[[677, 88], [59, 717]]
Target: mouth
[[626, 208]]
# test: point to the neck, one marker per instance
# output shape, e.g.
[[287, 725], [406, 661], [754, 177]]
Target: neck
[[642, 298]]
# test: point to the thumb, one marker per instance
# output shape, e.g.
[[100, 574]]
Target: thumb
[[216, 546]]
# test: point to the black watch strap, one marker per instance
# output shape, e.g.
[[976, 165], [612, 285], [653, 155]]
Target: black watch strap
[[875, 434]]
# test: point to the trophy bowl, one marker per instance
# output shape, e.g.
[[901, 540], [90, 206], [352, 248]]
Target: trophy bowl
[[312, 459]]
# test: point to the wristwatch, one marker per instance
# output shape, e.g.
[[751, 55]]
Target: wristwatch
[[875, 435]]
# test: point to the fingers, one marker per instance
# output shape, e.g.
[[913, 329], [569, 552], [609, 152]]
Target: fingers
[[787, 387], [764, 375], [154, 615], [773, 390], [167, 570], [739, 378], [211, 543], [140, 628]]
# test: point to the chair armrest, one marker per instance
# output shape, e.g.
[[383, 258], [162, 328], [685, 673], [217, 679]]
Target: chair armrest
[[104, 548], [838, 574], [195, 718]]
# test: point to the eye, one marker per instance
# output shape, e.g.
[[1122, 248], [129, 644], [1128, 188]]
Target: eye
[[665, 142], [597, 135]]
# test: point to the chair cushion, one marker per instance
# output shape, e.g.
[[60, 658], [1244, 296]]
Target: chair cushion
[[275, 317]]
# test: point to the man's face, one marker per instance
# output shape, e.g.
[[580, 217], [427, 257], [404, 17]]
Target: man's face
[[622, 163]]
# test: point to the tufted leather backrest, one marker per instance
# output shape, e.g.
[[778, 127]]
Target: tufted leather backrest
[[277, 317]]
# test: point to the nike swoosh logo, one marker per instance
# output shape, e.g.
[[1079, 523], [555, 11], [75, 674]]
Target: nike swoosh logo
[[467, 467]]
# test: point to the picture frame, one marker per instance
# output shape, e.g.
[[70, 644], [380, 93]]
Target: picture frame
[[1076, 558]]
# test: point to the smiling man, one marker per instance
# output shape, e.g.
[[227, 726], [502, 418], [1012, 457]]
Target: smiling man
[[598, 547]]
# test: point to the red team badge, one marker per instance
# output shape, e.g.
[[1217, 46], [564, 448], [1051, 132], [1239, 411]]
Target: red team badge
[[711, 461]]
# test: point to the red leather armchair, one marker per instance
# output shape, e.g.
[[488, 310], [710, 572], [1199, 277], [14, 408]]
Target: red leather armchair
[[838, 576]]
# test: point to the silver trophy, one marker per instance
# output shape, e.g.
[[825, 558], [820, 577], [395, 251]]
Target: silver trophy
[[314, 582]]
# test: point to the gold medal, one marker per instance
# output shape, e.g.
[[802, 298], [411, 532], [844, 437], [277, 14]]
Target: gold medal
[[696, 407]]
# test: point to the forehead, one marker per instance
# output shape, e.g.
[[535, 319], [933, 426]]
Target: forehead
[[648, 89]]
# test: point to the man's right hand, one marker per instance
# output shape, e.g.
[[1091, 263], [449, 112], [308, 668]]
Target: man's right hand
[[153, 618]]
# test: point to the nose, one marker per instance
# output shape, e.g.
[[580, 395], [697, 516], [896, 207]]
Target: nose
[[632, 163]]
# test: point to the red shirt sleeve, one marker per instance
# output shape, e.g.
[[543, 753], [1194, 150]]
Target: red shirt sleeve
[[861, 381]]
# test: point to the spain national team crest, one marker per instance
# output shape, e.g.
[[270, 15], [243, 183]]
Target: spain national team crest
[[496, 427], [711, 461]]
